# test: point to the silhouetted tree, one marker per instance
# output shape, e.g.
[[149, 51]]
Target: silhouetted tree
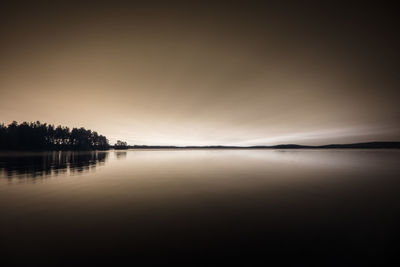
[[121, 145], [35, 135]]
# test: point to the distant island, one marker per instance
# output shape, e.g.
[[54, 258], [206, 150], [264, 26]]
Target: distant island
[[43, 136]]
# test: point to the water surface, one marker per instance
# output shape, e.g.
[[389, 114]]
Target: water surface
[[302, 207]]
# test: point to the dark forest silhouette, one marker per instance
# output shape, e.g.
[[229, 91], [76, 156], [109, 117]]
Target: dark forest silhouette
[[121, 145], [43, 136]]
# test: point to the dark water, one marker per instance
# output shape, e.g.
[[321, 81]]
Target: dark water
[[200, 207]]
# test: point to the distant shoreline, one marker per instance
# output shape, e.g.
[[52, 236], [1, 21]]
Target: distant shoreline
[[367, 145]]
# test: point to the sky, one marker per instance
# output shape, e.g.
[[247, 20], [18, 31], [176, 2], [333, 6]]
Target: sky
[[203, 73]]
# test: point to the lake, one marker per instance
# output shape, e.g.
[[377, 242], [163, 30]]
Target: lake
[[199, 207]]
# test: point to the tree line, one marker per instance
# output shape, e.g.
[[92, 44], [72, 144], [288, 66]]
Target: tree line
[[121, 145], [41, 136]]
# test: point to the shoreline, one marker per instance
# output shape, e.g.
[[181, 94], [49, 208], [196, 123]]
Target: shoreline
[[362, 146]]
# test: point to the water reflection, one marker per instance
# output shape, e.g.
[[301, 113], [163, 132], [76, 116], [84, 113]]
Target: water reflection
[[228, 207], [120, 154], [42, 164]]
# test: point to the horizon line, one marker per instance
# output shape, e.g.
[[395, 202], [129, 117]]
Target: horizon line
[[373, 144]]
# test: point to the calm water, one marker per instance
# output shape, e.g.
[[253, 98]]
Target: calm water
[[206, 207]]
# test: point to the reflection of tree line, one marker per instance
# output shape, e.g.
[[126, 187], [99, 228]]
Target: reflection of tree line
[[50, 163], [120, 154], [36, 135]]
